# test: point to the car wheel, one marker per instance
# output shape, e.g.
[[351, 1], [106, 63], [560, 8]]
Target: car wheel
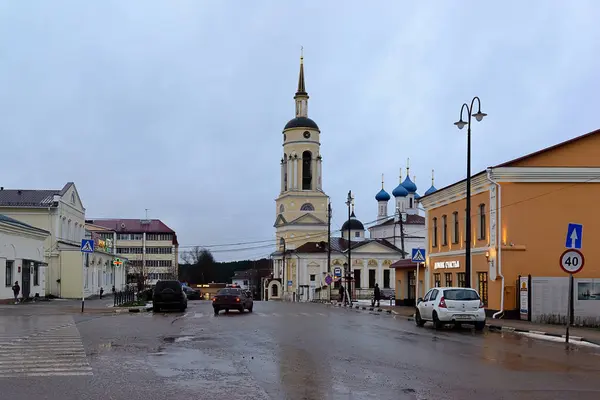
[[250, 309], [479, 325], [418, 320], [437, 324], [155, 309], [241, 309]]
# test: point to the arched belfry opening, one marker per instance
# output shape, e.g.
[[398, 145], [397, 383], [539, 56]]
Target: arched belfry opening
[[306, 170]]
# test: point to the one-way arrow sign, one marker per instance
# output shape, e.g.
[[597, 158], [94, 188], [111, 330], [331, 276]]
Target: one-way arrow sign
[[574, 236]]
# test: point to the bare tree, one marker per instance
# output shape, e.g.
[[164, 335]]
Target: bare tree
[[197, 256]]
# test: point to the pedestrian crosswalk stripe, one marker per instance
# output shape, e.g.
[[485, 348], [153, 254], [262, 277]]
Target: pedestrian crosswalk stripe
[[50, 348]]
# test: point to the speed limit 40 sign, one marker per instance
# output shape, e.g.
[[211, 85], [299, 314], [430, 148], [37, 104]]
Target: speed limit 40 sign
[[571, 261]]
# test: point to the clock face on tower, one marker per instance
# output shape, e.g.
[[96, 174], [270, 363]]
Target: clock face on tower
[[306, 134]]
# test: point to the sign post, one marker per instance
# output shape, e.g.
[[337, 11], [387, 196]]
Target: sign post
[[572, 261], [87, 247], [417, 256]]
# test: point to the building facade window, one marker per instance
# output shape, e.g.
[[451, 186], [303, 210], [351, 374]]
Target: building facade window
[[281, 208], [455, 229], [36, 275], [482, 224], [444, 230], [434, 233], [448, 276], [371, 278], [460, 277], [159, 250], [307, 207], [357, 234], [386, 278], [357, 278], [483, 287], [306, 170], [437, 279], [159, 236], [8, 276]]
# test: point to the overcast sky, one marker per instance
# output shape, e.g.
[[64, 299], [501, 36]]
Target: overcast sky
[[178, 106]]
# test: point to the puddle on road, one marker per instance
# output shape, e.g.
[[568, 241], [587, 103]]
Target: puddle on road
[[187, 338]]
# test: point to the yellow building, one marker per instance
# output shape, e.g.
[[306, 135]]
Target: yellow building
[[59, 212], [301, 207], [521, 210]]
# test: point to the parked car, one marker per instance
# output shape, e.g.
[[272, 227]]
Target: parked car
[[232, 299], [192, 294], [169, 294], [451, 305]]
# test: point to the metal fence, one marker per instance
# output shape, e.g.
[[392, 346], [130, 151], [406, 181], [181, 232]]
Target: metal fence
[[124, 296]]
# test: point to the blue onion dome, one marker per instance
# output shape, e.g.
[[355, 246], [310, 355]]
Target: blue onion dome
[[400, 191], [409, 185], [430, 190], [417, 197], [382, 196]]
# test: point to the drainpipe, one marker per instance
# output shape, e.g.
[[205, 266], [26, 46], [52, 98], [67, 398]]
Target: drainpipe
[[498, 239]]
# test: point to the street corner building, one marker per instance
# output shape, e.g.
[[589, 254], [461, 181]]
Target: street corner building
[[22, 259], [61, 214], [520, 215]]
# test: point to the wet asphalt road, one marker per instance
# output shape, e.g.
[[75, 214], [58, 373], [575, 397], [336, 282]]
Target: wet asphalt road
[[280, 351]]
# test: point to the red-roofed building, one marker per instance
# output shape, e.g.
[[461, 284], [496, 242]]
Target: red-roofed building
[[149, 244]]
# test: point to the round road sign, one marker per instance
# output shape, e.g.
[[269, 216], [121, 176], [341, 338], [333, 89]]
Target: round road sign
[[571, 261], [328, 279]]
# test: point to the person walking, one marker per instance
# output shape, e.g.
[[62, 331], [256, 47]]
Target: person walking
[[376, 295], [16, 290], [342, 293]]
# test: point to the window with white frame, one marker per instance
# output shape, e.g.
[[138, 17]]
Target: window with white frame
[[8, 273], [482, 224]]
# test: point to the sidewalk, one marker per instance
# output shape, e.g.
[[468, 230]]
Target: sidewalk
[[585, 334]]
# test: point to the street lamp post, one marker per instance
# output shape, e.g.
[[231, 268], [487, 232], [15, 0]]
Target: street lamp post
[[461, 124], [349, 203]]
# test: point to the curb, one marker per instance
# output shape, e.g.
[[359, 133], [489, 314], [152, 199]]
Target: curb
[[371, 310], [501, 328]]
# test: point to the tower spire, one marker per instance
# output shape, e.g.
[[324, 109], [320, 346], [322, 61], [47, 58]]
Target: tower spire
[[382, 181], [301, 96], [301, 85], [432, 177], [400, 174], [408, 167]]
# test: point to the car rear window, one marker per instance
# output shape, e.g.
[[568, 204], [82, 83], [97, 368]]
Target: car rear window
[[161, 285], [460, 294], [229, 291]]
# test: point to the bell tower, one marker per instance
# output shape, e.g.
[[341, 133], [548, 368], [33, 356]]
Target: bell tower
[[301, 207]]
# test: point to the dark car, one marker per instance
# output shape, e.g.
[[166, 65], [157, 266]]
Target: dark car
[[387, 294], [169, 294], [232, 299], [192, 294]]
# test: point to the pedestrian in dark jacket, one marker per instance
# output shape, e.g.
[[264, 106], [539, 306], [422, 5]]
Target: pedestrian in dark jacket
[[376, 295], [16, 290], [342, 293]]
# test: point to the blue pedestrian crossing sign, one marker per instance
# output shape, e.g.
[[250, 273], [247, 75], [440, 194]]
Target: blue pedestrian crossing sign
[[87, 246], [574, 236], [418, 255]]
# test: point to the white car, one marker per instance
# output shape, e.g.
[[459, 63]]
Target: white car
[[451, 305]]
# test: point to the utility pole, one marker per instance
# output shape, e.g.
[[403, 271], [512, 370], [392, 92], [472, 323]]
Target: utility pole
[[283, 266], [348, 281], [402, 215], [329, 243]]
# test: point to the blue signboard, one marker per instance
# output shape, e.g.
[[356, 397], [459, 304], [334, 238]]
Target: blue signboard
[[574, 236], [87, 246], [418, 255]]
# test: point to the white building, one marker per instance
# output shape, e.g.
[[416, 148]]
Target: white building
[[407, 230], [22, 258], [59, 212]]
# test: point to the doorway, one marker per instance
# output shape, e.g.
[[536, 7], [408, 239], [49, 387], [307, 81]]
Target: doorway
[[26, 279]]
